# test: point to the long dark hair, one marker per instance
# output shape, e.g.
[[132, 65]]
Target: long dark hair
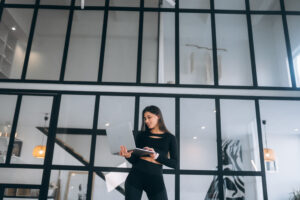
[[156, 111]]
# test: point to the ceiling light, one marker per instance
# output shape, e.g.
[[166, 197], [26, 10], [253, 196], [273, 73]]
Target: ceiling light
[[296, 129], [215, 111], [203, 127], [107, 124], [194, 137], [13, 28]]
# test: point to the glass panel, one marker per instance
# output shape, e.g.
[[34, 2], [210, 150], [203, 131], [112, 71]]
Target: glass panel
[[150, 47], [85, 37], [91, 2], [239, 136], [101, 189], [293, 5], [195, 187], [103, 155], [56, 2], [243, 187], [74, 129], [31, 130], [48, 45], [21, 192], [68, 185], [264, 5], [21, 176], [198, 147], [124, 3], [167, 107], [281, 133], [20, 1], [158, 57], [196, 66], [230, 4], [203, 4], [7, 106], [151, 3], [270, 51], [121, 47], [233, 50], [294, 31], [14, 32]]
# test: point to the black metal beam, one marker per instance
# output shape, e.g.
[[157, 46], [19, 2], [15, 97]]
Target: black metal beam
[[30, 40], [13, 130], [67, 42], [50, 147]]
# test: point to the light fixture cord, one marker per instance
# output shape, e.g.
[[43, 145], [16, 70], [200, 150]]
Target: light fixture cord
[[266, 135], [45, 118]]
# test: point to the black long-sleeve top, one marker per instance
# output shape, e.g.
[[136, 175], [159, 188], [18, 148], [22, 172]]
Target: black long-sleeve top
[[161, 143]]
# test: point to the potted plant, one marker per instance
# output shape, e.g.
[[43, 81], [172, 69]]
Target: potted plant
[[296, 195]]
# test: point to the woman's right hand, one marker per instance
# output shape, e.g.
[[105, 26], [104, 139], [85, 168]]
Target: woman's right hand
[[123, 152]]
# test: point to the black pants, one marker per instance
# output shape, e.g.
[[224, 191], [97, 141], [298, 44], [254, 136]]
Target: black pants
[[139, 181]]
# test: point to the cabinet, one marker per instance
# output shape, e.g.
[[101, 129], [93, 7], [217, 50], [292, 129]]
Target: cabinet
[[7, 50]]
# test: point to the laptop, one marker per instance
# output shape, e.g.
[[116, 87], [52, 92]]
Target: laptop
[[121, 134]]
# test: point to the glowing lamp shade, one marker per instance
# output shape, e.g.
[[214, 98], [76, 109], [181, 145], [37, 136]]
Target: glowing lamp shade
[[39, 151], [269, 155]]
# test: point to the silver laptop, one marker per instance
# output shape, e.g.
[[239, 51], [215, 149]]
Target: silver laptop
[[121, 134]]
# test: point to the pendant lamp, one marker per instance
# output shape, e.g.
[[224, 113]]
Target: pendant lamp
[[39, 151]]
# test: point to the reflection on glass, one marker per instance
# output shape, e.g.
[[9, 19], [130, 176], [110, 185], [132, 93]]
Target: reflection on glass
[[21, 176], [121, 47], [167, 107], [103, 155], [14, 32], [196, 66], [91, 3], [243, 187], [7, 106], [230, 4], [282, 135], [239, 136], [195, 187], [31, 130], [203, 4], [84, 47], [294, 31], [68, 185], [158, 48], [74, 129], [48, 45], [270, 51], [233, 50], [265, 5], [56, 2], [198, 147], [124, 3], [292, 5]]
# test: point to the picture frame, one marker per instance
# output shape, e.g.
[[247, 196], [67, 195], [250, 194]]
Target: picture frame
[[17, 148], [76, 186]]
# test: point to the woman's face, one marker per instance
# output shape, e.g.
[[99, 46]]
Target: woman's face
[[151, 120]]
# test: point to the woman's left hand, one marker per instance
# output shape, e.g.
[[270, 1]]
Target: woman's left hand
[[153, 155]]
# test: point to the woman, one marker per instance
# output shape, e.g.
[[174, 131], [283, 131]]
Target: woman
[[146, 171]]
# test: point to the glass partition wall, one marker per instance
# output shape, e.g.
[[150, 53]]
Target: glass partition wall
[[58, 145], [204, 43]]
